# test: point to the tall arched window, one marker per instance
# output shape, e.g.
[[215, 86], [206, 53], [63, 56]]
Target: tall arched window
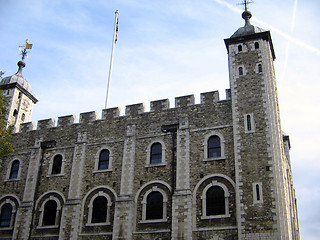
[[99, 210], [14, 169], [214, 147], [215, 201], [156, 153], [57, 164], [6, 214], [154, 208], [104, 159], [239, 48], [50, 213]]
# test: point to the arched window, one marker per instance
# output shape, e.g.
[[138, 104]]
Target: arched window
[[154, 208], [14, 169], [156, 153], [256, 45], [239, 48], [214, 147], [57, 164], [99, 210], [50, 213], [215, 201], [104, 159], [15, 113], [259, 68], [23, 117], [240, 71], [6, 214], [257, 193]]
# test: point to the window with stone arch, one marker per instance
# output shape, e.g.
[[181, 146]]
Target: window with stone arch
[[50, 212], [256, 45], [239, 48], [249, 125], [215, 201], [154, 206], [103, 160], [214, 146], [6, 215], [156, 154], [99, 209], [14, 169]]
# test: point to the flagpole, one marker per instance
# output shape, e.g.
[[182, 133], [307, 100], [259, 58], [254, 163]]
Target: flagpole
[[112, 54]]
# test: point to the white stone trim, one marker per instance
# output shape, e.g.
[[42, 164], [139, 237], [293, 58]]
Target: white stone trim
[[164, 208], [204, 201], [90, 206], [97, 157], [9, 167], [255, 194], [163, 157], [246, 129], [51, 165], [205, 146]]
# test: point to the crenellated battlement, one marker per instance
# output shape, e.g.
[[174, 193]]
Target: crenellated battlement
[[133, 110]]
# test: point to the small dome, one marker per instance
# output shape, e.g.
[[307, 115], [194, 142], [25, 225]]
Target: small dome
[[248, 29], [18, 78]]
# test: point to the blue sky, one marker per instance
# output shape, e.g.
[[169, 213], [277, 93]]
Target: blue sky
[[167, 49]]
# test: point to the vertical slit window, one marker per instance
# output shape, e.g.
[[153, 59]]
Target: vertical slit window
[[256, 45], [104, 159], [258, 192], [156, 153], [239, 48], [240, 71], [249, 127], [259, 68], [6, 214]]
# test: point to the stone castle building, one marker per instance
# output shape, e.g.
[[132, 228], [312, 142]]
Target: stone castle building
[[215, 170]]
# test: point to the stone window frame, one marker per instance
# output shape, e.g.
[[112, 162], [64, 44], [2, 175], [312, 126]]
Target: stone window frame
[[144, 206], [205, 146], [148, 151], [90, 207], [97, 159], [246, 129], [57, 220], [9, 170], [14, 210], [204, 201], [51, 165], [255, 194]]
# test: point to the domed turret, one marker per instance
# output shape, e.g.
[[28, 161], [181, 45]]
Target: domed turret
[[18, 78]]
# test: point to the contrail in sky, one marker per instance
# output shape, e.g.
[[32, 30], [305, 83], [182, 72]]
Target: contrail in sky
[[286, 36], [288, 44]]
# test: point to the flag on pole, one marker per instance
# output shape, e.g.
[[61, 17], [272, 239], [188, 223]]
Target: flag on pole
[[117, 27]]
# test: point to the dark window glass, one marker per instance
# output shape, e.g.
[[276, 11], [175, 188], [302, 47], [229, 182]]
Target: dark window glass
[[215, 202], [258, 192], [154, 206], [23, 117], [99, 210], [214, 147], [256, 45], [15, 113], [49, 214], [260, 68], [156, 153], [57, 164], [249, 123], [240, 71], [240, 48], [104, 160], [6, 214], [14, 169]]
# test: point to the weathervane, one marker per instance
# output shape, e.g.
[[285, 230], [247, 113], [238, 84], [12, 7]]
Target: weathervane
[[24, 50], [245, 4]]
